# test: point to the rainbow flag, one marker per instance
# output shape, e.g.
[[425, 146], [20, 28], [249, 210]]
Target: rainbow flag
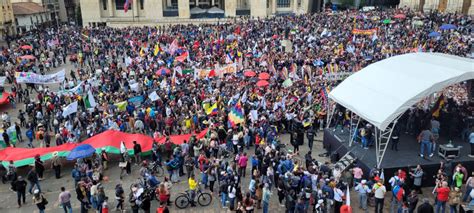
[[236, 115]]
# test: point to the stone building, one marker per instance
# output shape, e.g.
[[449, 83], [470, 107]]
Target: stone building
[[56, 9], [459, 6], [156, 12], [29, 15], [7, 21]]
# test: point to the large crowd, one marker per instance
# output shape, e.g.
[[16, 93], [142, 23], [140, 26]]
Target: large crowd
[[117, 65]]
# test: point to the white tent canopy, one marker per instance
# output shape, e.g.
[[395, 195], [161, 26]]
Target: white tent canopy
[[384, 90], [197, 10], [215, 10]]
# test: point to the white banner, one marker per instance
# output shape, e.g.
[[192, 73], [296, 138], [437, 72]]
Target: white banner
[[2, 80], [29, 77], [153, 96], [69, 109]]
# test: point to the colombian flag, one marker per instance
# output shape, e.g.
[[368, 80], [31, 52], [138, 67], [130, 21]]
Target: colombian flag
[[210, 110]]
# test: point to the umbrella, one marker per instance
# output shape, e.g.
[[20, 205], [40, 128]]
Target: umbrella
[[163, 71], [231, 37], [400, 16], [249, 73], [287, 83], [375, 18], [262, 83], [29, 57], [263, 76], [386, 21], [434, 34], [447, 27], [418, 23], [26, 47], [81, 151]]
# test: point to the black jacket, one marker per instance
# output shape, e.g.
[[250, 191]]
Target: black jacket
[[425, 208]]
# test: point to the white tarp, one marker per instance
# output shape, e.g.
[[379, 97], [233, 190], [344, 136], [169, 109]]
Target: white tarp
[[384, 90]]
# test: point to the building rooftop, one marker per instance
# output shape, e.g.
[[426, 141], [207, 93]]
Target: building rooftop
[[27, 8]]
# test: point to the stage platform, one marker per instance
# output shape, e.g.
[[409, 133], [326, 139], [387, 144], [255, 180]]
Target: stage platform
[[406, 157]]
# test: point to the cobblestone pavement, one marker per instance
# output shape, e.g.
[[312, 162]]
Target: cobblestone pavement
[[51, 186]]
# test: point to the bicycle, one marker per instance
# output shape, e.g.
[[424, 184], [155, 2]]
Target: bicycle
[[183, 199], [157, 168]]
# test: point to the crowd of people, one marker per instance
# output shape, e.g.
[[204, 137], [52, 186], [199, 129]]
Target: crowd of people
[[117, 65]]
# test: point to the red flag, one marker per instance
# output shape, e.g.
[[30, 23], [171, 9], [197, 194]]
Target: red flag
[[126, 5], [212, 73], [182, 57], [237, 30]]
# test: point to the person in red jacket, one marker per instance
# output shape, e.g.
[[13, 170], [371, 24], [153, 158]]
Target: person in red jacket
[[442, 197]]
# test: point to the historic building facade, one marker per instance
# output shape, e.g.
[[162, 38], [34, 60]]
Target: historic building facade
[[459, 6], [156, 12]]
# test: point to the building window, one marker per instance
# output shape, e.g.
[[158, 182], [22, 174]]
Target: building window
[[142, 7], [120, 3], [299, 3], [283, 3], [104, 4]]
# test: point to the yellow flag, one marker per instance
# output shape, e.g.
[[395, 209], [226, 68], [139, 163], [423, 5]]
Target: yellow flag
[[121, 106], [157, 49]]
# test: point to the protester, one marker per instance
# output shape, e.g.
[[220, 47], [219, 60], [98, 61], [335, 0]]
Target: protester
[[39, 200], [182, 67], [20, 188], [65, 200]]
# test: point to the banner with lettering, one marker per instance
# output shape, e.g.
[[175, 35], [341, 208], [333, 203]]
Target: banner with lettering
[[364, 32], [220, 71], [33, 78]]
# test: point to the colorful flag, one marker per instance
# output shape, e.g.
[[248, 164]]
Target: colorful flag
[[126, 5], [438, 106], [236, 115], [210, 110], [156, 50], [89, 100], [121, 106], [182, 57], [173, 47]]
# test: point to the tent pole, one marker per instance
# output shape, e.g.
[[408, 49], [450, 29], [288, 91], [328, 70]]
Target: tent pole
[[352, 134], [329, 117]]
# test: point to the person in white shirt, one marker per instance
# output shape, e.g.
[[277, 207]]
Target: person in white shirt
[[379, 194], [232, 190], [338, 194]]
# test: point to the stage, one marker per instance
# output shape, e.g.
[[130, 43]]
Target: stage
[[406, 157]]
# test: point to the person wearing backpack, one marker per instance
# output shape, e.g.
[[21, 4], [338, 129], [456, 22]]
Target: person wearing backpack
[[29, 135], [39, 200], [398, 193]]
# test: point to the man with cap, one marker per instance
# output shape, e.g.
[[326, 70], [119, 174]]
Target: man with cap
[[362, 189], [56, 165], [20, 187]]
